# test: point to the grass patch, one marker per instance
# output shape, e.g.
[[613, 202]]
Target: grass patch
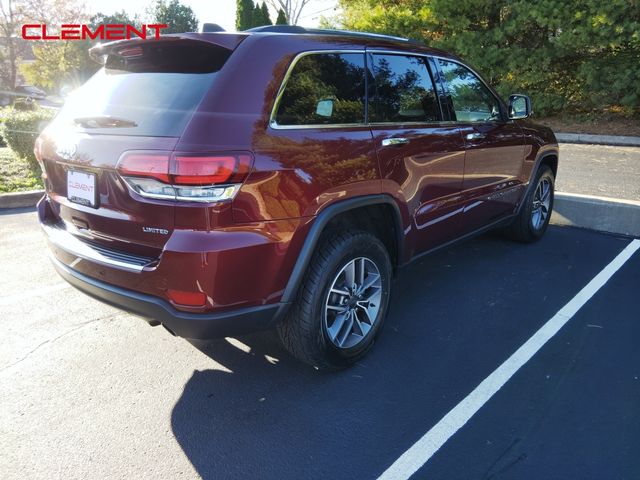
[[15, 175]]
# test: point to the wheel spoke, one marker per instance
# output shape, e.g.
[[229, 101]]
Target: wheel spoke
[[371, 279], [365, 309], [536, 218], [337, 325], [350, 273], [339, 291], [362, 326], [361, 271], [345, 329], [337, 308], [546, 192]]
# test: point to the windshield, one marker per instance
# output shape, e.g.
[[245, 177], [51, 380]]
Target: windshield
[[152, 93]]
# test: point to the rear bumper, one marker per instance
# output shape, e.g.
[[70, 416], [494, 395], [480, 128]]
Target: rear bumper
[[240, 270], [156, 310]]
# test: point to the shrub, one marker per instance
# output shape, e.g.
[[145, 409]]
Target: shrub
[[19, 130], [2, 117], [25, 104]]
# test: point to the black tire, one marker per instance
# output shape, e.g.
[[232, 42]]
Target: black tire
[[303, 331], [524, 228]]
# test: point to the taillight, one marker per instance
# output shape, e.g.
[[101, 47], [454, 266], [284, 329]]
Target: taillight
[[187, 177], [152, 165]]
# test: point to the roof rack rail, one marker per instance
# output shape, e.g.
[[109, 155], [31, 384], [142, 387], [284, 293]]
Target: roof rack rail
[[278, 29], [322, 31]]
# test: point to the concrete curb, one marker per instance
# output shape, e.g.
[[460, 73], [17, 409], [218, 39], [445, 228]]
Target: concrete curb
[[617, 140], [20, 199], [610, 215]]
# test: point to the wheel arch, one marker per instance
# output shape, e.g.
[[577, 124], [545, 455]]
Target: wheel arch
[[333, 213], [548, 157]]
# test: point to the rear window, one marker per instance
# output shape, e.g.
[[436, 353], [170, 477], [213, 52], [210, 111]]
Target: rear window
[[324, 89], [148, 90]]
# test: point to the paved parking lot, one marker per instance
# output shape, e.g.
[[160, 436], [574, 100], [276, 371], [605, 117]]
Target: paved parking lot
[[601, 170], [90, 392]]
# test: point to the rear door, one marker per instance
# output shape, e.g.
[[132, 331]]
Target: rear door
[[494, 146], [420, 155], [141, 101]]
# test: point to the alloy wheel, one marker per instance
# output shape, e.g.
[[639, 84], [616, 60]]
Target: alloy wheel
[[541, 203], [353, 303]]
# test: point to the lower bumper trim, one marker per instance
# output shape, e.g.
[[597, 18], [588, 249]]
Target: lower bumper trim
[[156, 310]]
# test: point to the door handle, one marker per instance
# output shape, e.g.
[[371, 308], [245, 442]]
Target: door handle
[[389, 142], [475, 136]]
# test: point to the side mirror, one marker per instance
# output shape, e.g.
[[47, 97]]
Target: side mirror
[[519, 107]]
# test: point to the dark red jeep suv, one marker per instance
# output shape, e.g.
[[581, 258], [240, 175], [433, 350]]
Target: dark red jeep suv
[[220, 183]]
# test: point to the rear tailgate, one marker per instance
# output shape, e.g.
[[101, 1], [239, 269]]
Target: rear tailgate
[[119, 218], [141, 101]]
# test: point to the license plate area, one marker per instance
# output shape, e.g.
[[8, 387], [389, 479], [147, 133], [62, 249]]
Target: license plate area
[[81, 188]]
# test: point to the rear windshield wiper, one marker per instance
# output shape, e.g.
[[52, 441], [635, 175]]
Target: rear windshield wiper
[[104, 121]]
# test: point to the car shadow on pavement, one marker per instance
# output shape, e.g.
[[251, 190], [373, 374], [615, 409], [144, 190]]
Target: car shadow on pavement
[[454, 317], [260, 418]]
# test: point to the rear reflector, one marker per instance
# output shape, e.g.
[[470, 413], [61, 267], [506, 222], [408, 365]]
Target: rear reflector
[[191, 299], [188, 177]]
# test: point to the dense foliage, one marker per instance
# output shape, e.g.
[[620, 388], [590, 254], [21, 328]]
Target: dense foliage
[[577, 55], [20, 128], [179, 18], [249, 15]]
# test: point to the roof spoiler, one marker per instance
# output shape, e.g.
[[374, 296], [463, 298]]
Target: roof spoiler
[[229, 41]]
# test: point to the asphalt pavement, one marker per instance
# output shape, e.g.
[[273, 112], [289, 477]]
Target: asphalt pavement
[[599, 170], [91, 392]]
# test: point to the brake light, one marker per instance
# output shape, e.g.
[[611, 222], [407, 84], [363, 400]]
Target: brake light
[[188, 177], [146, 165], [203, 170]]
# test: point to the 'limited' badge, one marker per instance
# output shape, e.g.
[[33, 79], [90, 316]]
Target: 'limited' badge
[[161, 231]]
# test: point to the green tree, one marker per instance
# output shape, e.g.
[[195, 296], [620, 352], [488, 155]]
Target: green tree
[[282, 18], [117, 17], [581, 56], [244, 14], [265, 15], [180, 18], [14, 14], [59, 64]]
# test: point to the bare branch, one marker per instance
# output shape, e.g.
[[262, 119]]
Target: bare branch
[[291, 8]]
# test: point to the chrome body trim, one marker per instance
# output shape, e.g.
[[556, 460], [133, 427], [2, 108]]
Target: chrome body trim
[[66, 241]]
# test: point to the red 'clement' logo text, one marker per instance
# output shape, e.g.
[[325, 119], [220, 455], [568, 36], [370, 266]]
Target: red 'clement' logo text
[[74, 31]]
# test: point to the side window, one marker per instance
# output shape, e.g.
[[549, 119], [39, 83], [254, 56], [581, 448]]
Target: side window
[[404, 90], [472, 101], [324, 89]]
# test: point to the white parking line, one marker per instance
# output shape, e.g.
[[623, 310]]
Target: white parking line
[[23, 296], [421, 451]]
